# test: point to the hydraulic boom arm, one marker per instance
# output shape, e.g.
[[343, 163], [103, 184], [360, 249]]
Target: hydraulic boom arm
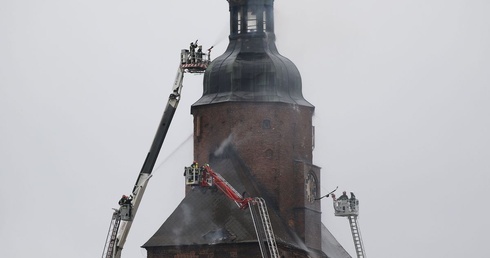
[[226, 188], [122, 219], [151, 158], [205, 177]]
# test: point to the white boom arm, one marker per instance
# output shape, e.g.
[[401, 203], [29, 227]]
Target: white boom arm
[[123, 217], [145, 174], [115, 245]]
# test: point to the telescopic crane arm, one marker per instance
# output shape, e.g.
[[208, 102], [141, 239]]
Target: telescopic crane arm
[[225, 187], [151, 158], [122, 218]]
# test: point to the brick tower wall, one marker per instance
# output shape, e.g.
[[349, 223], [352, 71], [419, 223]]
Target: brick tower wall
[[275, 142]]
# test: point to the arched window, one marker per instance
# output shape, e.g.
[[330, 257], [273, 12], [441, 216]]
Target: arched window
[[239, 21], [264, 21], [251, 21]]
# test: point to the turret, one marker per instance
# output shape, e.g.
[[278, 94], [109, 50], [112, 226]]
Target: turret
[[252, 69]]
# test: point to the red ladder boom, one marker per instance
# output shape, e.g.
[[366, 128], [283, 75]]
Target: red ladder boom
[[205, 177], [225, 187]]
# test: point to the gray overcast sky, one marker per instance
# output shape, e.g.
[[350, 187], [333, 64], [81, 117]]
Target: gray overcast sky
[[401, 90]]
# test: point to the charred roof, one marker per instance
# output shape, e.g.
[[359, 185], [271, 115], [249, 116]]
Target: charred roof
[[207, 217]]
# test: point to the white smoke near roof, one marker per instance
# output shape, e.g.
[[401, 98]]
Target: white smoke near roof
[[223, 145], [218, 235], [178, 231], [189, 214]]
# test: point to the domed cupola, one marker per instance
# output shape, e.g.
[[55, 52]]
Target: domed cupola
[[251, 69]]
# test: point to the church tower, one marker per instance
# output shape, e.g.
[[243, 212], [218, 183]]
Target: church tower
[[254, 127]]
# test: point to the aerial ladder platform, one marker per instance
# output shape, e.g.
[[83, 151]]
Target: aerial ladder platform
[[112, 234], [205, 177], [192, 60], [349, 207], [268, 233]]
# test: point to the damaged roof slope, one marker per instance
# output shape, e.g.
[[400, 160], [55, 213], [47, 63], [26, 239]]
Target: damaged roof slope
[[206, 216]]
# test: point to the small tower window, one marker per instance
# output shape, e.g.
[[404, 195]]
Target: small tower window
[[269, 153], [251, 21], [264, 21], [266, 124], [236, 20], [239, 21], [312, 138]]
